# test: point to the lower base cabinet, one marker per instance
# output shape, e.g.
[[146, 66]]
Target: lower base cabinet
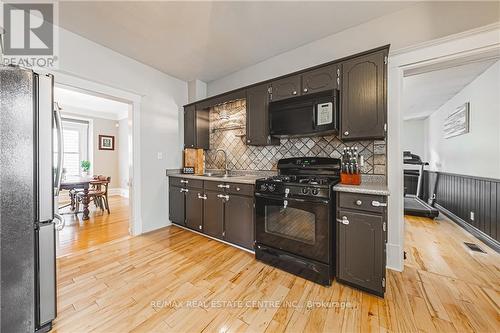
[[239, 221], [194, 210], [213, 209], [213, 215], [176, 204], [361, 247]]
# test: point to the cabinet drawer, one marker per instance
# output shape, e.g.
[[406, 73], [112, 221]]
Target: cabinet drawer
[[214, 186], [242, 189], [364, 202], [186, 182]]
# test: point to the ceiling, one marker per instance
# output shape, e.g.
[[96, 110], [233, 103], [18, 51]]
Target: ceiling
[[89, 105], [425, 93], [208, 40]]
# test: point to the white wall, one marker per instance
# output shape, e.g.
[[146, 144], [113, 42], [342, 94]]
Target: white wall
[[476, 153], [413, 137], [123, 154], [160, 113], [410, 26]]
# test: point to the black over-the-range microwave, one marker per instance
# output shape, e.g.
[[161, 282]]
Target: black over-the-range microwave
[[310, 115]]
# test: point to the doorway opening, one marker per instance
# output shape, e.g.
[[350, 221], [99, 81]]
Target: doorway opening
[[95, 187], [450, 147]]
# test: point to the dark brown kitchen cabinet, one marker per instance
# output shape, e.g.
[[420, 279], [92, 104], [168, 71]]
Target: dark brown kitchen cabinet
[[239, 221], [196, 127], [361, 242], [176, 204], [320, 79], [194, 209], [285, 88], [189, 126], [257, 127], [213, 214], [363, 97]]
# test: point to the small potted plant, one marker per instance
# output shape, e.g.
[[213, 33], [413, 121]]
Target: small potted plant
[[85, 167]]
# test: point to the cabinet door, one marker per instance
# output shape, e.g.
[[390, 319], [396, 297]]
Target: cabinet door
[[321, 79], [189, 126], [257, 102], [285, 88], [194, 210], [176, 204], [238, 222], [202, 125], [361, 250], [213, 215], [363, 86]]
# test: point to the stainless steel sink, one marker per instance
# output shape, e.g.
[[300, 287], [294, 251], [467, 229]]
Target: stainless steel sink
[[218, 175]]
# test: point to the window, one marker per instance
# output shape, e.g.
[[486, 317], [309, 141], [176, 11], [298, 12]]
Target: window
[[75, 137]]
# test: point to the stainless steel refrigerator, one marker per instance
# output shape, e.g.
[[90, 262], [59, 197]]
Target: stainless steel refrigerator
[[29, 177]]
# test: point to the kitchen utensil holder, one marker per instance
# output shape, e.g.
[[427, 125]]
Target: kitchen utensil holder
[[350, 179]]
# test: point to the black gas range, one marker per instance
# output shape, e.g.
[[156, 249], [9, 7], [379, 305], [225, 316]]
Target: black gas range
[[295, 211]]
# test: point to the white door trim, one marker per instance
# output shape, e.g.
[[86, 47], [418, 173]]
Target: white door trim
[[134, 100], [479, 42]]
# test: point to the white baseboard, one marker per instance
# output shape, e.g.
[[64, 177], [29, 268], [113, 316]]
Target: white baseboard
[[123, 192]]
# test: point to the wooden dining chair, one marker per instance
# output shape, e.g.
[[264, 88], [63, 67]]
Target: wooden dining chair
[[98, 193]]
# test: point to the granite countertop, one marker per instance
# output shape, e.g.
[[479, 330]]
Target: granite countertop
[[241, 179], [365, 188]]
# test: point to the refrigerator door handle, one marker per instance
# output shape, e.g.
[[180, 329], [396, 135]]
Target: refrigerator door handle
[[60, 148], [44, 147]]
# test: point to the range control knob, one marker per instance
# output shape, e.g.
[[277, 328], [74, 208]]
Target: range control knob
[[315, 191], [305, 190], [263, 187], [271, 187]]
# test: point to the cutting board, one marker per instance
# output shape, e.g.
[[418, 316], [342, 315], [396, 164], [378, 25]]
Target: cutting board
[[195, 158]]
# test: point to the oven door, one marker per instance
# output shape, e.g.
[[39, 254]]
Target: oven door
[[298, 226]]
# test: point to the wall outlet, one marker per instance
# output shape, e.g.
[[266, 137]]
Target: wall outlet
[[160, 155], [472, 216]]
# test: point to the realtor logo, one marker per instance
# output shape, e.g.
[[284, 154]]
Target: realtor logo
[[29, 31]]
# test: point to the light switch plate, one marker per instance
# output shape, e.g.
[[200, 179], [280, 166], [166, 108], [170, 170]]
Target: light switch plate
[[160, 155]]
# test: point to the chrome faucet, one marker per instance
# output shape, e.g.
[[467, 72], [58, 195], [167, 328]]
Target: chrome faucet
[[226, 171]]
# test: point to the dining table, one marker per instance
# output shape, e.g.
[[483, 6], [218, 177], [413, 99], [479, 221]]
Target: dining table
[[79, 182]]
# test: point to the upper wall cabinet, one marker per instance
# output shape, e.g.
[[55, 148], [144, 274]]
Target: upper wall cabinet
[[285, 88], [196, 128], [257, 101], [321, 79], [363, 86]]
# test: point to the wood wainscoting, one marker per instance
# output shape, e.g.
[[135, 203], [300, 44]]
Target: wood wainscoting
[[459, 195]]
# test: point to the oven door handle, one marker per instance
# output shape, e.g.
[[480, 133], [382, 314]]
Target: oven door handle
[[260, 195]]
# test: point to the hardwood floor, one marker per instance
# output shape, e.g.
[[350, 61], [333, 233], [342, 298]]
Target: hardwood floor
[[173, 280], [101, 228]]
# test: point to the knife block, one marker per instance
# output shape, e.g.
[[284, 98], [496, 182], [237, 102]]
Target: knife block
[[350, 179]]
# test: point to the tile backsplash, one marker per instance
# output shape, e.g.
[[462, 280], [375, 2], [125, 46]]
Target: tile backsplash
[[227, 129]]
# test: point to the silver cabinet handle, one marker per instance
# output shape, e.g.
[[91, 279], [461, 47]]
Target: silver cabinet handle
[[346, 133], [344, 220], [249, 141], [306, 90], [294, 92], [204, 197], [238, 189], [222, 186], [184, 181], [359, 202], [379, 204], [222, 196], [184, 190]]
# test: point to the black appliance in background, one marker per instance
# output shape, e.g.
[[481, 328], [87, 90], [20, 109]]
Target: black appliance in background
[[29, 180], [310, 115], [413, 203], [294, 227]]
